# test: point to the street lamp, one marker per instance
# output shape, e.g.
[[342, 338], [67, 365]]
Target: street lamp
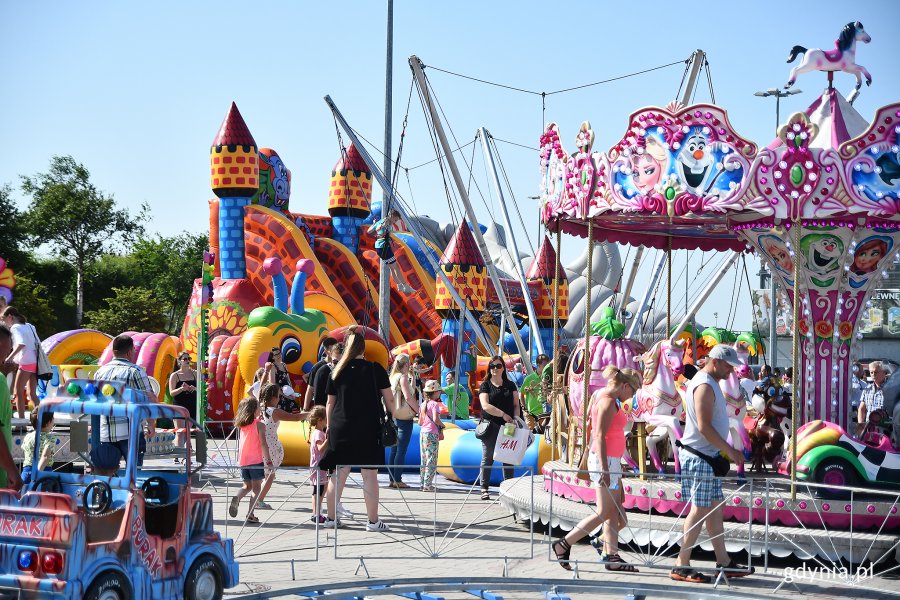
[[778, 93]]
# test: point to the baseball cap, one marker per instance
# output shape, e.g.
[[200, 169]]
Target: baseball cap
[[288, 391], [726, 353]]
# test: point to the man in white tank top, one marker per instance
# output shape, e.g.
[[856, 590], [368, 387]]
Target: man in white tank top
[[705, 431]]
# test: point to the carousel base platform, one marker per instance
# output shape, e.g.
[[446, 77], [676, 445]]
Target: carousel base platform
[[658, 524]]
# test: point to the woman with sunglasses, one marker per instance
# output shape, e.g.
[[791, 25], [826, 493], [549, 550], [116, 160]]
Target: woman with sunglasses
[[607, 447], [499, 405], [183, 389]]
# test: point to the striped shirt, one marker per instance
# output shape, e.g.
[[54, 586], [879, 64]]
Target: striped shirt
[[116, 429]]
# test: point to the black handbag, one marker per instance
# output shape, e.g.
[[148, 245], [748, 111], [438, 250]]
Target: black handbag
[[720, 465], [388, 433], [388, 428], [482, 429]]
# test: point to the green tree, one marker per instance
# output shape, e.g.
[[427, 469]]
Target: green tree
[[31, 298], [14, 239], [131, 309], [79, 221], [107, 272], [57, 278], [169, 266]]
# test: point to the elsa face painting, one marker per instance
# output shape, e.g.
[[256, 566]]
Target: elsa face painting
[[649, 167]]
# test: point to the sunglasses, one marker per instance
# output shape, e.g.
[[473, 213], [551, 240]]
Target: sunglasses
[[497, 366]]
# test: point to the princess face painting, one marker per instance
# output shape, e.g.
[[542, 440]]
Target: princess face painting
[[649, 167], [868, 255], [779, 253]]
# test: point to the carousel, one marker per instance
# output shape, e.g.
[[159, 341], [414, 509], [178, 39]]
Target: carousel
[[820, 206]]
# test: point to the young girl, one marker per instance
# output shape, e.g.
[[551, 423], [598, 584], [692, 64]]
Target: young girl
[[271, 416], [430, 433], [317, 477], [48, 443], [253, 451], [24, 354]]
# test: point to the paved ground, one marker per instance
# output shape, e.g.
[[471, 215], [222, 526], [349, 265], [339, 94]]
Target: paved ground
[[451, 534]]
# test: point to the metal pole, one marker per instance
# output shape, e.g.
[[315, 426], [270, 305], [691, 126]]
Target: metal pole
[[773, 314], [416, 66], [696, 62], [529, 305], [795, 359], [384, 278], [500, 335], [704, 295], [636, 319], [631, 276], [411, 223]]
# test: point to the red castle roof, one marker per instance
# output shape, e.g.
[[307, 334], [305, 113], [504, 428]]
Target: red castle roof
[[234, 131], [462, 249], [544, 264], [352, 161]]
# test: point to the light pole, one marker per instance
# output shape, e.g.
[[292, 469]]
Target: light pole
[[778, 93]]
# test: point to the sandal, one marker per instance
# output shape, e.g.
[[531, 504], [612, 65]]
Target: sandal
[[233, 507], [562, 557], [689, 575], [614, 562], [253, 519], [734, 569]]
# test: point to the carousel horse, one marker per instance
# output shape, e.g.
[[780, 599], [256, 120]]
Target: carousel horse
[[768, 436], [842, 58], [736, 405], [658, 402]]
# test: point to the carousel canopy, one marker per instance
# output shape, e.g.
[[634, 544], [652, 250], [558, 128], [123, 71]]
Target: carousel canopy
[[682, 178]]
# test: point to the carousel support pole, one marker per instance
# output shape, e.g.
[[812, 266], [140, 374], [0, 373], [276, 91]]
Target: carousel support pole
[[669, 284], [586, 399], [795, 359], [642, 447], [554, 388]]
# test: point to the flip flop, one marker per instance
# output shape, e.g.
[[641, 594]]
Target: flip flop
[[734, 569], [233, 507]]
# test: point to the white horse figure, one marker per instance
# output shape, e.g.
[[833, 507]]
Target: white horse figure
[[658, 402], [737, 405], [842, 58]]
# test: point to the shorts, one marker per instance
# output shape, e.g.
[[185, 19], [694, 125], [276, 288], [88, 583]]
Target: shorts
[[614, 466], [385, 253], [28, 367], [253, 472], [108, 455], [319, 490], [699, 484]]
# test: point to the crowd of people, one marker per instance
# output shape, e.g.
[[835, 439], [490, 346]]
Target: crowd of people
[[349, 400]]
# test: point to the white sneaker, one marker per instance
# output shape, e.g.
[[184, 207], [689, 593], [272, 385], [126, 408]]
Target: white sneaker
[[378, 525], [343, 512], [329, 523]]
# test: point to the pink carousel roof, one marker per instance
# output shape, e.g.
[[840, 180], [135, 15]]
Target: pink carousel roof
[[683, 176]]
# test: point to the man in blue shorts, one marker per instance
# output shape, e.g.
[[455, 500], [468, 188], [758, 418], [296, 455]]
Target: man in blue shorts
[[705, 433], [115, 431]]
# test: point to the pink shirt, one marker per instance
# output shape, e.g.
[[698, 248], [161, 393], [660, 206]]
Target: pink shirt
[[615, 437], [433, 410], [316, 475], [250, 452]]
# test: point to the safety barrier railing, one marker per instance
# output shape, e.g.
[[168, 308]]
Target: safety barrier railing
[[851, 535]]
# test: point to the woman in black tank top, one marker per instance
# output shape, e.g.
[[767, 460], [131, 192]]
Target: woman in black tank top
[[183, 389]]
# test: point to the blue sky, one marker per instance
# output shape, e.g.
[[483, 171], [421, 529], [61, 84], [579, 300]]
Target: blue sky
[[136, 91]]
